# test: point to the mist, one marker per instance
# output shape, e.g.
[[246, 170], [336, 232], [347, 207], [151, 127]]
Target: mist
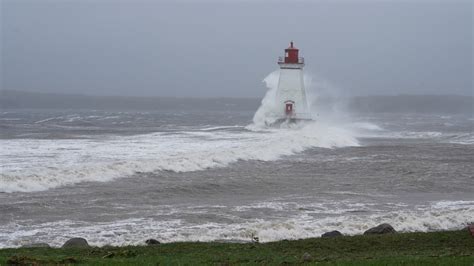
[[210, 49]]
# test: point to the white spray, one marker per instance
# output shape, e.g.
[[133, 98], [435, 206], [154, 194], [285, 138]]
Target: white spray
[[324, 101], [267, 112]]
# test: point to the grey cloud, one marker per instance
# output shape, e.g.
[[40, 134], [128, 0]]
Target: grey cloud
[[204, 49]]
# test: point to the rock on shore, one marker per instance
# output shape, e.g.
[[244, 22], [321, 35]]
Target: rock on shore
[[152, 242], [332, 234], [76, 242], [380, 229]]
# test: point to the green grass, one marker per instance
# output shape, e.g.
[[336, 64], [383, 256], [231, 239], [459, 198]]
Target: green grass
[[436, 248]]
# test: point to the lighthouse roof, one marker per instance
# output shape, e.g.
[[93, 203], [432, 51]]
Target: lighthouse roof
[[291, 47]]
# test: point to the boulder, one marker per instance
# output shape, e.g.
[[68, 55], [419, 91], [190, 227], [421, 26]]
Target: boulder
[[152, 242], [331, 234], [36, 245], [380, 229], [76, 242]]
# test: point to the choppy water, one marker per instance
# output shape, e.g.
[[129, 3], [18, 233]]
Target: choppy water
[[122, 177]]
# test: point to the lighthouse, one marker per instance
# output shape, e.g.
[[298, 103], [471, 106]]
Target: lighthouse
[[291, 100]]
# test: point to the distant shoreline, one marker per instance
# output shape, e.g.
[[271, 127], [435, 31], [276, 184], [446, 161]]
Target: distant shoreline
[[444, 104]]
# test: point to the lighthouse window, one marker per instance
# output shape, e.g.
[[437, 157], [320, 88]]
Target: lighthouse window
[[286, 54]]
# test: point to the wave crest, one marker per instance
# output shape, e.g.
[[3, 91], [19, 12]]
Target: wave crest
[[36, 164]]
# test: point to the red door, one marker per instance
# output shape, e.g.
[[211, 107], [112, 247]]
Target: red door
[[289, 109]]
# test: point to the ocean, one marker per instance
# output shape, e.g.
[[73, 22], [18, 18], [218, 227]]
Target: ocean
[[119, 177]]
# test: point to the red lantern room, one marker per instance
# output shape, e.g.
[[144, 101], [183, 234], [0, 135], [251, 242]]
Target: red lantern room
[[291, 54]]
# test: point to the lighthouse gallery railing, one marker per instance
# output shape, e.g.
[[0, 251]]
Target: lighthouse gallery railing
[[281, 60]]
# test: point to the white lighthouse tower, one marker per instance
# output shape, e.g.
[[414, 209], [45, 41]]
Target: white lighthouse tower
[[291, 95]]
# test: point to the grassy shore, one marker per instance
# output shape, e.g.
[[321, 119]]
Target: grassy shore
[[435, 248]]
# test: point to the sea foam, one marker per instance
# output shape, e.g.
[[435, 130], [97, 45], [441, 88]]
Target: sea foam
[[41, 164], [133, 231]]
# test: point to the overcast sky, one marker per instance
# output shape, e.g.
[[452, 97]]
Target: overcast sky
[[213, 49]]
